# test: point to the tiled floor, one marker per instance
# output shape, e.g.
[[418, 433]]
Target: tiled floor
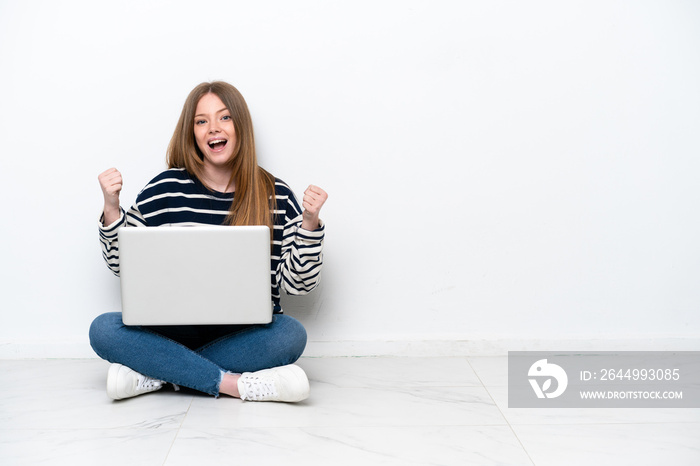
[[366, 411]]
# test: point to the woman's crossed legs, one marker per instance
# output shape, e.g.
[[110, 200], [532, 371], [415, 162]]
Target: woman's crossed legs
[[209, 359]]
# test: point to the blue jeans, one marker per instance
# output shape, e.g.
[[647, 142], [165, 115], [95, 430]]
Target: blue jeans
[[197, 356]]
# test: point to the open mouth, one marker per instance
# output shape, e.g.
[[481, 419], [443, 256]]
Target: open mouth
[[217, 144]]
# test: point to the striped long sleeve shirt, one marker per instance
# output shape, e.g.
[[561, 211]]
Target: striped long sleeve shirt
[[175, 198]]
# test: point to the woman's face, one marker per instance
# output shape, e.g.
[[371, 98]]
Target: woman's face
[[214, 131]]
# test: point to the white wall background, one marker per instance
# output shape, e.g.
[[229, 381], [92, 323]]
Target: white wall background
[[498, 171]]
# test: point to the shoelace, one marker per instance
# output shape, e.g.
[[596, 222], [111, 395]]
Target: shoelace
[[148, 384], [258, 388]]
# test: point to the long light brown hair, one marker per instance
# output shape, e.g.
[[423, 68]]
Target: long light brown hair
[[254, 198]]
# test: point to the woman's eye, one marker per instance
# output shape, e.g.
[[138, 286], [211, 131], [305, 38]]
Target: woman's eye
[[199, 122], [226, 117]]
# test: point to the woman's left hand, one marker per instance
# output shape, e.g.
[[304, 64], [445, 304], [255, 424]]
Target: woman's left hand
[[314, 198]]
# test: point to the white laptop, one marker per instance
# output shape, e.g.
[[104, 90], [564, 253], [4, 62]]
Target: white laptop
[[204, 275]]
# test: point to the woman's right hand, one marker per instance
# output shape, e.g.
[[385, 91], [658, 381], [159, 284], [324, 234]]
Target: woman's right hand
[[111, 184]]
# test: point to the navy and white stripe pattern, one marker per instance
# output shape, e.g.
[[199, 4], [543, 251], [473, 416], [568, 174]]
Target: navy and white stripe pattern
[[175, 198]]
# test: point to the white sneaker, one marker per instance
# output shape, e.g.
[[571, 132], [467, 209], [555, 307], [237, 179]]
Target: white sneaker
[[285, 383], [123, 382]]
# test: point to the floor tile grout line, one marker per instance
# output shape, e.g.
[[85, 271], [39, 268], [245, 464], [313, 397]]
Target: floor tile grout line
[[177, 432], [502, 413]]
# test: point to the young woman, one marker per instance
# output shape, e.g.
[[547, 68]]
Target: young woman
[[214, 179]]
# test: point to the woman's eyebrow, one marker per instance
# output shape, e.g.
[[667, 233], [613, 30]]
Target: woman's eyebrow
[[219, 111]]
